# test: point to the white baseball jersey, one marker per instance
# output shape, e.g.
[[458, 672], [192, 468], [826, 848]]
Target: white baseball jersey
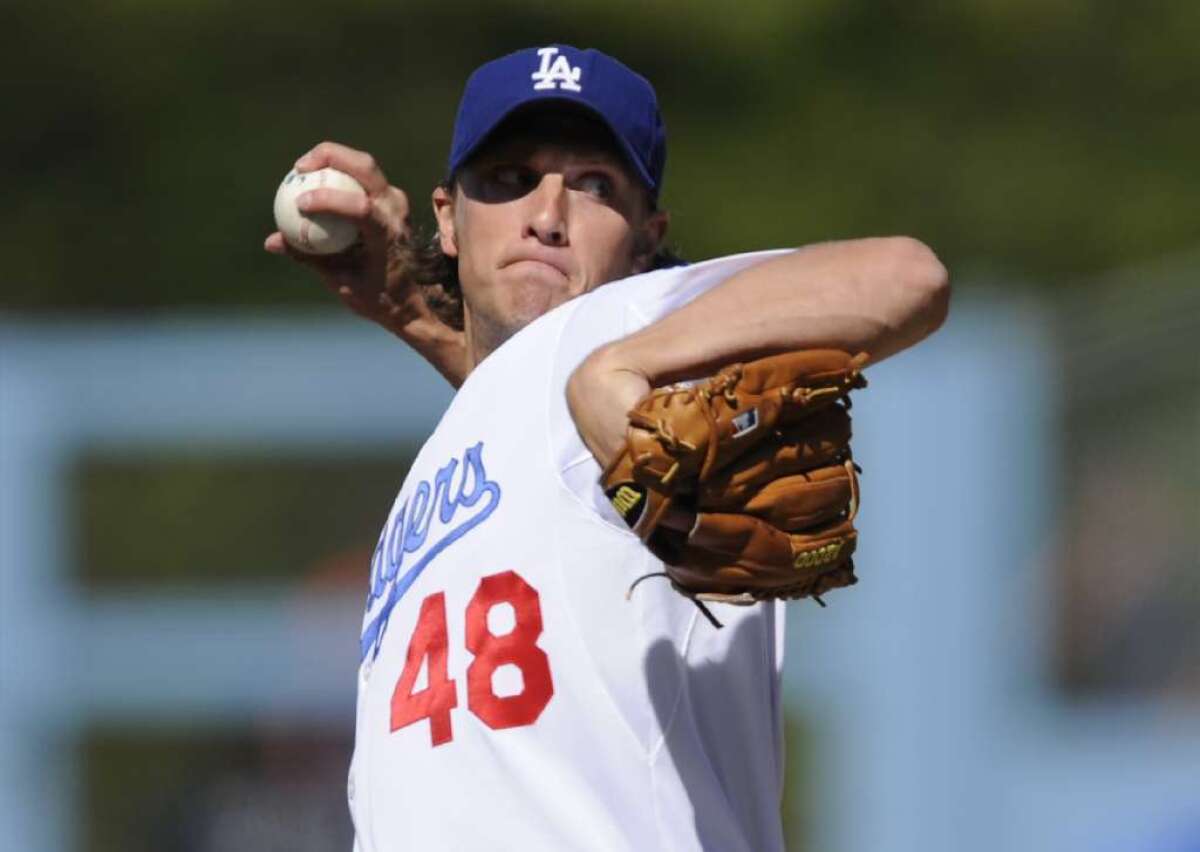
[[509, 696]]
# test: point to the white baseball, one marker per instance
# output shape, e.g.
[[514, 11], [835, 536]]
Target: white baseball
[[316, 233]]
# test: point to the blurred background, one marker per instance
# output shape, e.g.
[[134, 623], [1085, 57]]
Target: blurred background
[[198, 448]]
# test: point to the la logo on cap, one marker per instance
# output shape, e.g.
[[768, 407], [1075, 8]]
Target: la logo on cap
[[556, 72]]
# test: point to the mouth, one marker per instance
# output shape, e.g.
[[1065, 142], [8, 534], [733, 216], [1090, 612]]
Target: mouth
[[539, 265], [551, 265]]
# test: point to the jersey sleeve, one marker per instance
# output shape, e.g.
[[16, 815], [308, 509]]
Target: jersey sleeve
[[609, 313]]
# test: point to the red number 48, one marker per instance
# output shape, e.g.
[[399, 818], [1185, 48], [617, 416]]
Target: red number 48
[[429, 645]]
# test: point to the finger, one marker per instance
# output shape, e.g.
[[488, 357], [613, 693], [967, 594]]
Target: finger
[[377, 218], [409, 310], [358, 164], [275, 244], [325, 263], [319, 156], [350, 205]]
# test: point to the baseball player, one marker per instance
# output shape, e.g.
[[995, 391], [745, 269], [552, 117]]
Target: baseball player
[[509, 696]]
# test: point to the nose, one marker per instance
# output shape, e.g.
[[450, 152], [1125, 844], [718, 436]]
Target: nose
[[547, 220]]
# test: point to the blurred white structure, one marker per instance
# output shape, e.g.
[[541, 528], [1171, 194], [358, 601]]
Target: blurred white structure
[[923, 685]]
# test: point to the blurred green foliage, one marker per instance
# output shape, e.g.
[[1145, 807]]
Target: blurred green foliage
[[1048, 138], [200, 788], [207, 520]]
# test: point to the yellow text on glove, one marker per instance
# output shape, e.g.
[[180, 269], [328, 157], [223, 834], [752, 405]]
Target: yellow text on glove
[[822, 555]]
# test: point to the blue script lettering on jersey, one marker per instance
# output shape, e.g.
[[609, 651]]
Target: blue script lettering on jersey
[[409, 529]]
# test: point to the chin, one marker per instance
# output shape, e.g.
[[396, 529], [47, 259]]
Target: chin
[[534, 295], [533, 303]]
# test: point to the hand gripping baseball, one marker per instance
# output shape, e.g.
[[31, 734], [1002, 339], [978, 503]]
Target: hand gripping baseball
[[374, 277], [743, 484]]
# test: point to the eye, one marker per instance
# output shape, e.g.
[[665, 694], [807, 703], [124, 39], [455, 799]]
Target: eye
[[597, 184], [511, 176]]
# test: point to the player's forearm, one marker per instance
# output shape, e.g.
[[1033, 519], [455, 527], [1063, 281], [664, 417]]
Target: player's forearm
[[877, 295]]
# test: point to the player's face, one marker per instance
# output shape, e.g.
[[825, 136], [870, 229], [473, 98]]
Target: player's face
[[535, 223]]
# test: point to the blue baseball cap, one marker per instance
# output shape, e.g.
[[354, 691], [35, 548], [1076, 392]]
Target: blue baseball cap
[[621, 98]]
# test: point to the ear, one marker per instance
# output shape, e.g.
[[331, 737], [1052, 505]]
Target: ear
[[443, 211], [649, 238]]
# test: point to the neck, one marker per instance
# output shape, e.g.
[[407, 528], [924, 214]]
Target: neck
[[482, 337]]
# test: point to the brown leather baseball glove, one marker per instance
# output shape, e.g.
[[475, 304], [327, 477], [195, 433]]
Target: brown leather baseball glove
[[743, 483]]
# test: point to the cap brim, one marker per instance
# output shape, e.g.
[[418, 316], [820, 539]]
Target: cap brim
[[538, 100]]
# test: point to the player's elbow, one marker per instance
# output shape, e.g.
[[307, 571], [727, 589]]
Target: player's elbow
[[922, 279]]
